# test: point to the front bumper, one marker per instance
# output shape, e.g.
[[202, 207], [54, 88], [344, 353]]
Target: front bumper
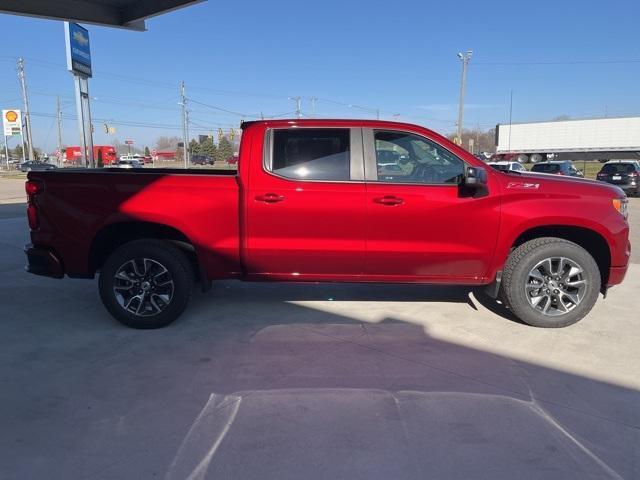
[[42, 261]]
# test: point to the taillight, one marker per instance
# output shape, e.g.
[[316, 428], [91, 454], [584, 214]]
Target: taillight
[[32, 215], [33, 187]]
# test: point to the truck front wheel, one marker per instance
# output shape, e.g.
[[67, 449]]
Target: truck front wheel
[[550, 282], [146, 283]]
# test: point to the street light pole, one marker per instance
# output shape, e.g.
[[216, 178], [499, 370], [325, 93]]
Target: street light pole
[[464, 58]]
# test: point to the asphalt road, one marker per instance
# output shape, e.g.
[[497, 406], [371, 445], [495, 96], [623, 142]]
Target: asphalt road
[[311, 381]]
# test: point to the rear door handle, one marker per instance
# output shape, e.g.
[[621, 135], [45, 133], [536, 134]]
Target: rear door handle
[[388, 200], [270, 198]]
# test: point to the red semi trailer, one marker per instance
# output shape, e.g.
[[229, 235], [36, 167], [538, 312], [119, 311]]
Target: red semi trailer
[[102, 154]]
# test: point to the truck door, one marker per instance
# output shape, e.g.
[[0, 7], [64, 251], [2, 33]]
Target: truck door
[[420, 227], [305, 205]]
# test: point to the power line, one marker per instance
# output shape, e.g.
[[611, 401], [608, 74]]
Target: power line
[[561, 62]]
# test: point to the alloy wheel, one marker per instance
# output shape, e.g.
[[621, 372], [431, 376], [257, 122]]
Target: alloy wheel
[[555, 286], [143, 287]]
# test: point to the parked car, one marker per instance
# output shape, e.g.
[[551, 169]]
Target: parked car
[[622, 173], [31, 165], [560, 167], [309, 204], [201, 160], [232, 160], [507, 166], [129, 163], [133, 156]]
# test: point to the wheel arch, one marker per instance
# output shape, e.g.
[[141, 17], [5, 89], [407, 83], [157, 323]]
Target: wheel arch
[[592, 241], [114, 235]]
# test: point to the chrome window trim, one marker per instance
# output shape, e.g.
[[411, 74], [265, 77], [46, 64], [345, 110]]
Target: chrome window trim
[[356, 168], [371, 164]]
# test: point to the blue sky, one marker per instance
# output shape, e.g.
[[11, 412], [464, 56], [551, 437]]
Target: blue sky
[[399, 57]]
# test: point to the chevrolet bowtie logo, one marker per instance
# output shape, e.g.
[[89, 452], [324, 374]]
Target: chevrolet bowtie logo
[[80, 38]]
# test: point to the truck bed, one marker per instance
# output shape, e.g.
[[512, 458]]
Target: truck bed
[[79, 205], [171, 171]]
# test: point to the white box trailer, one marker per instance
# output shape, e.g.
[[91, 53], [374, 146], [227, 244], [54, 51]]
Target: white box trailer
[[593, 139]]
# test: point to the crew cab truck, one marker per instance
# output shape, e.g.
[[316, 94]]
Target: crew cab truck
[[331, 201]]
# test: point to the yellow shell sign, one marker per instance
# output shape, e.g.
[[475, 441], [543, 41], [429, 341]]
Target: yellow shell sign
[[11, 116], [12, 122]]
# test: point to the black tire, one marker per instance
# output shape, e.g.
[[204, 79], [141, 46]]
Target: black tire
[[517, 273], [177, 283]]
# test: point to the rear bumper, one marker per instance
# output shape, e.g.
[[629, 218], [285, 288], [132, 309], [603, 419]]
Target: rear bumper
[[616, 275], [42, 261], [626, 187]]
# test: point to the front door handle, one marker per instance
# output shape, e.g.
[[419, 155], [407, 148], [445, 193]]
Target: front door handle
[[388, 200], [270, 198]]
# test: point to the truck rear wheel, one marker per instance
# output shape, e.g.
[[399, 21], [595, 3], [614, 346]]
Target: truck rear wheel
[[146, 283], [535, 158], [550, 282], [522, 158]]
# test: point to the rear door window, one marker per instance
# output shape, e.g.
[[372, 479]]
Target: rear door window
[[312, 153]]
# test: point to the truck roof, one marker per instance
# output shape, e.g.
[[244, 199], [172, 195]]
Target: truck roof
[[330, 121]]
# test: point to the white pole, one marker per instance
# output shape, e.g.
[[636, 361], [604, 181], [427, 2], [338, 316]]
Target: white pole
[[81, 122], [24, 158], [88, 128], [6, 151]]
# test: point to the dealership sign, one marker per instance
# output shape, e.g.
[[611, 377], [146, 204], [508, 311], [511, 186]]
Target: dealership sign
[[12, 122], [78, 50]]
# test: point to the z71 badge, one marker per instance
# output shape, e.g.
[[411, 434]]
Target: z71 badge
[[523, 185]]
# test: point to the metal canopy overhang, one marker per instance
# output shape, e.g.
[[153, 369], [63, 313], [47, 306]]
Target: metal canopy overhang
[[129, 14]]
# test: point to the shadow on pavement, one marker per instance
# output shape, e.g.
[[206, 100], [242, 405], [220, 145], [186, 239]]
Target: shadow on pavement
[[250, 385]]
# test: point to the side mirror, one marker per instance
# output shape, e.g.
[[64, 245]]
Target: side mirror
[[475, 177], [474, 183]]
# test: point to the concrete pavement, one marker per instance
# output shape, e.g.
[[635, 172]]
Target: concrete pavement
[[311, 381]]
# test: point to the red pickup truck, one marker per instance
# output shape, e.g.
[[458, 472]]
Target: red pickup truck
[[337, 201]]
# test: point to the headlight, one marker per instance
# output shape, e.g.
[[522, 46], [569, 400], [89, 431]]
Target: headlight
[[621, 205]]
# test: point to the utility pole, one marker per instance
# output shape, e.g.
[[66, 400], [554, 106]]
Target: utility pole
[[510, 119], [377, 114], [298, 107], [187, 153], [464, 58], [313, 105], [25, 98], [185, 132], [59, 117]]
